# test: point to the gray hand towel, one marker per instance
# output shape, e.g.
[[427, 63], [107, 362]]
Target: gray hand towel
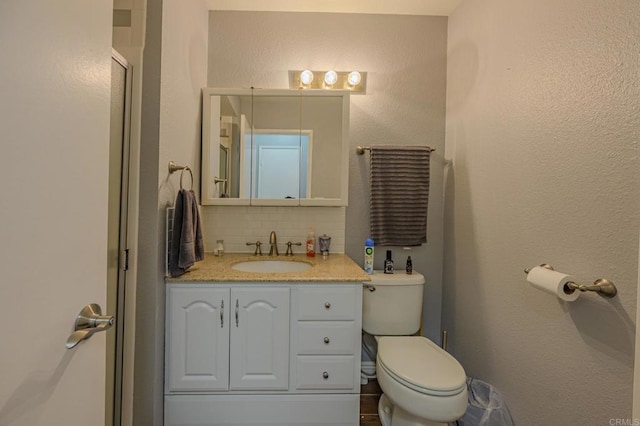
[[399, 178], [187, 245]]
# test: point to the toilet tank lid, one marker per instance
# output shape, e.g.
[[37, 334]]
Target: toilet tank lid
[[397, 278]]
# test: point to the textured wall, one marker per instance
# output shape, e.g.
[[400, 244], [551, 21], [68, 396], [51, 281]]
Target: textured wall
[[405, 58], [542, 127]]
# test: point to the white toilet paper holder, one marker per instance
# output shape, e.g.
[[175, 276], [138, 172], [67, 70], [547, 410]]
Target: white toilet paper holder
[[602, 286]]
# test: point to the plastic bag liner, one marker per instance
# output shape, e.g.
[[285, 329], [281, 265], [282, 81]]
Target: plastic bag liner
[[486, 406]]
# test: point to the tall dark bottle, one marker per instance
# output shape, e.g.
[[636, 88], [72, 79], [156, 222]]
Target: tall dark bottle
[[409, 268], [388, 264]]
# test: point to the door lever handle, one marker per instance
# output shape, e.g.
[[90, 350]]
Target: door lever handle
[[88, 322]]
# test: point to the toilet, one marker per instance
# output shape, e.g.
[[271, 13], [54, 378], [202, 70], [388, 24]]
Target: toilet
[[422, 384]]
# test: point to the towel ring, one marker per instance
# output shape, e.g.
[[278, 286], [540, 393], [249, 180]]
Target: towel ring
[[173, 167], [190, 173]]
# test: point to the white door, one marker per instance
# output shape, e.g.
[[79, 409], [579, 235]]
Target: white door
[[54, 121], [197, 354], [259, 339], [278, 173]]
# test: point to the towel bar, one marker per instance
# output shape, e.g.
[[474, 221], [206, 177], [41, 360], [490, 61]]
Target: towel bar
[[361, 149]]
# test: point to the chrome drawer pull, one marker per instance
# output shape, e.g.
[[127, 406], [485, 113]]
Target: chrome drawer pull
[[327, 340], [222, 314], [327, 305], [325, 375]]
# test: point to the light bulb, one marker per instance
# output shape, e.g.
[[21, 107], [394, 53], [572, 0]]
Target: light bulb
[[354, 78], [331, 77], [306, 77]]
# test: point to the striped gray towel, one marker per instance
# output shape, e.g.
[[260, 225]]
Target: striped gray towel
[[399, 178]]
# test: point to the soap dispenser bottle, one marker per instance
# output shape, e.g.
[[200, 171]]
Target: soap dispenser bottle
[[311, 243], [388, 264]]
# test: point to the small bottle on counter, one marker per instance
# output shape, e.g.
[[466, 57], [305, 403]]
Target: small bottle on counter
[[219, 250], [311, 243], [409, 266], [324, 242], [388, 263]]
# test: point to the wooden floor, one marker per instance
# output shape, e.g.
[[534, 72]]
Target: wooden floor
[[369, 396]]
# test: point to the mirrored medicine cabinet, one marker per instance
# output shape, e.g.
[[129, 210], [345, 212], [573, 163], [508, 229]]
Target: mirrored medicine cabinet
[[275, 147]]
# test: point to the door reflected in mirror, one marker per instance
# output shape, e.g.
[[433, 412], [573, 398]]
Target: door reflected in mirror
[[281, 163], [275, 147]]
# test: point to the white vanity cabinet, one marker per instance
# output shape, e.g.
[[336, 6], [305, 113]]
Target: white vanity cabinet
[[263, 354], [222, 338], [197, 339]]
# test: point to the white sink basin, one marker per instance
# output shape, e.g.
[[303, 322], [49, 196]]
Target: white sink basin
[[273, 266]]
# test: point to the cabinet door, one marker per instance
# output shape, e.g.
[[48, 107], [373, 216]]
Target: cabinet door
[[198, 339], [260, 339]]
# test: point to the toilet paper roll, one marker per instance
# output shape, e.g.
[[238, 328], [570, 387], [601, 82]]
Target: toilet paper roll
[[552, 282]]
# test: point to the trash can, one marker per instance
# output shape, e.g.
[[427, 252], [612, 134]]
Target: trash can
[[486, 406]]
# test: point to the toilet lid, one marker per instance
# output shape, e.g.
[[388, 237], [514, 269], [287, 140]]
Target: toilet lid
[[421, 365]]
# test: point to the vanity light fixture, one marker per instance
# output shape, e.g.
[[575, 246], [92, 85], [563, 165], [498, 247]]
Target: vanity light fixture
[[306, 77], [330, 78], [354, 78], [354, 81]]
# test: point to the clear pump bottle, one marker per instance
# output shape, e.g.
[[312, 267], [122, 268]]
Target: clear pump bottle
[[311, 243]]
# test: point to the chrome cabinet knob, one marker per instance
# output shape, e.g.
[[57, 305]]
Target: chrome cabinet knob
[[327, 305], [327, 340], [325, 375]]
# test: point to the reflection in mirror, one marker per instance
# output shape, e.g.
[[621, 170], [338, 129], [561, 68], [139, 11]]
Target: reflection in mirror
[[323, 115], [282, 160], [224, 158], [275, 147]]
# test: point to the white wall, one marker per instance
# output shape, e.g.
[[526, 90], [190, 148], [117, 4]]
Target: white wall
[[405, 58], [175, 61], [542, 127]]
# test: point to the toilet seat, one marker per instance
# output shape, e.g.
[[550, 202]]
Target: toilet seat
[[421, 365]]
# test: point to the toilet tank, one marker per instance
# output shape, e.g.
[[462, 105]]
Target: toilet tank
[[392, 304]]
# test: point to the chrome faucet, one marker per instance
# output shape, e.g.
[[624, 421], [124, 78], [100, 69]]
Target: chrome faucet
[[273, 242], [258, 251], [289, 249]]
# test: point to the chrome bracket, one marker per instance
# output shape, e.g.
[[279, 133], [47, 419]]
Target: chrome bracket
[[602, 286]]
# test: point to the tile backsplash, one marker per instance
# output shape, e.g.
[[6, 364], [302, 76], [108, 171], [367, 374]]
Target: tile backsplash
[[237, 225]]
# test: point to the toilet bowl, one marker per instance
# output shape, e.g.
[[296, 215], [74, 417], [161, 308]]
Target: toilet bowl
[[422, 384]]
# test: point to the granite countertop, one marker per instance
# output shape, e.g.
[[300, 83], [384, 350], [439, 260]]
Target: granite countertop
[[336, 267]]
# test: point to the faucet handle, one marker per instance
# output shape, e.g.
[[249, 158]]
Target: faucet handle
[[289, 249], [258, 245]]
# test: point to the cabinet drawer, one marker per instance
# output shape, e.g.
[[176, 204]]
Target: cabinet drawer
[[327, 337], [325, 372], [327, 304]]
